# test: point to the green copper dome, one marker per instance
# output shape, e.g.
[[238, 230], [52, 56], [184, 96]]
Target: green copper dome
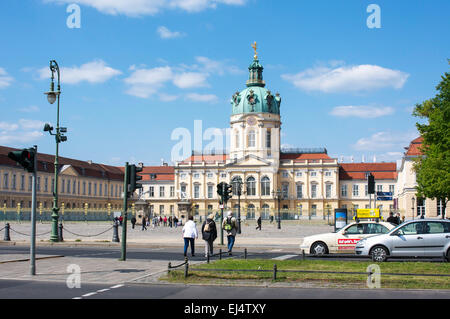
[[255, 98]]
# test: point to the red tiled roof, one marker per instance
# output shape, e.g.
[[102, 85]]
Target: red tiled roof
[[414, 147], [304, 156], [349, 171], [84, 168], [163, 173]]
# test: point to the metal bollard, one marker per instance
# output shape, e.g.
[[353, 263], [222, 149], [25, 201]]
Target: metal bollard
[[303, 254], [116, 233], [60, 232], [207, 258], [245, 253], [7, 238], [220, 254], [168, 268], [186, 268], [275, 272]]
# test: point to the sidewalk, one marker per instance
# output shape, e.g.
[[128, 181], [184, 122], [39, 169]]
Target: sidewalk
[[106, 270]]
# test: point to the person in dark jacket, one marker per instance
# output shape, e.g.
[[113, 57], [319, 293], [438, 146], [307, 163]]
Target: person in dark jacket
[[133, 222], [209, 234], [259, 223]]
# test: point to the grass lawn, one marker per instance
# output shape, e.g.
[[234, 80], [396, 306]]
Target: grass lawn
[[324, 279]]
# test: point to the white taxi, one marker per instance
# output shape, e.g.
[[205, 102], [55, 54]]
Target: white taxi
[[344, 240]]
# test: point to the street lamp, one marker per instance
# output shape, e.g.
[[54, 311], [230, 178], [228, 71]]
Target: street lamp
[[238, 187], [52, 97], [278, 195], [412, 206]]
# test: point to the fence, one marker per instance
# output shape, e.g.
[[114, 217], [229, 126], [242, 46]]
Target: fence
[[370, 271], [46, 216]]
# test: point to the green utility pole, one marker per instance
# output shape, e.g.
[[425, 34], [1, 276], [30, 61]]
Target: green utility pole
[[124, 213]]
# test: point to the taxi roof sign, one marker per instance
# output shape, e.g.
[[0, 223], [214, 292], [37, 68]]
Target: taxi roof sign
[[363, 213]]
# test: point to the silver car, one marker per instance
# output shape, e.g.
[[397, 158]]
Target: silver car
[[415, 238]]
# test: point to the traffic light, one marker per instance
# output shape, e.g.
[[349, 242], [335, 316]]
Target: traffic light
[[228, 192], [370, 184], [220, 192], [25, 158], [134, 178]]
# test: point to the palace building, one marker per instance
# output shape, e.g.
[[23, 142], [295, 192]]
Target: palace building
[[297, 182]]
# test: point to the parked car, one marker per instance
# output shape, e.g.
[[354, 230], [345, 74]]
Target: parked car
[[415, 238], [345, 239]]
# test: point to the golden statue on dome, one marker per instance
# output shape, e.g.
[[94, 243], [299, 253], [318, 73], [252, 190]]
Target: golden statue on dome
[[254, 48]]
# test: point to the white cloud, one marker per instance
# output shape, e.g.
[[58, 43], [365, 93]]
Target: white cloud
[[92, 72], [361, 111], [5, 79], [167, 97], [146, 82], [357, 78], [206, 98], [385, 141], [137, 8], [188, 80], [165, 33], [23, 132]]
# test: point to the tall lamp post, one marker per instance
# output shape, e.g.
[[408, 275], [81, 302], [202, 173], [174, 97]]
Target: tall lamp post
[[238, 187], [412, 206], [278, 195], [52, 96]]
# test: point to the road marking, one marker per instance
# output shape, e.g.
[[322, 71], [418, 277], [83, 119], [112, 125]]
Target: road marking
[[284, 257], [102, 290], [89, 294], [275, 250]]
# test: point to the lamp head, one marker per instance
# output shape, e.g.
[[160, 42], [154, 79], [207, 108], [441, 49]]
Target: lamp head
[[51, 97], [48, 127]]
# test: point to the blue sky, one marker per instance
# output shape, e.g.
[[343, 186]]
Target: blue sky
[[136, 70]]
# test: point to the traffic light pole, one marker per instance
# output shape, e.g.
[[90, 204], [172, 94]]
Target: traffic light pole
[[125, 208], [33, 217]]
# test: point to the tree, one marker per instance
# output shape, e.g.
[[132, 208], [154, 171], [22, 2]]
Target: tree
[[433, 168]]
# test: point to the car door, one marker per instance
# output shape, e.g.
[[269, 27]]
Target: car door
[[435, 238], [347, 238], [408, 240]]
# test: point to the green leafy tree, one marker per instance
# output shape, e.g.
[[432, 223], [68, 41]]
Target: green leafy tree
[[433, 168]]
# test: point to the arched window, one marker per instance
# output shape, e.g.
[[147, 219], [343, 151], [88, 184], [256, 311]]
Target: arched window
[[235, 184], [265, 186], [251, 142], [251, 186], [265, 212], [251, 211]]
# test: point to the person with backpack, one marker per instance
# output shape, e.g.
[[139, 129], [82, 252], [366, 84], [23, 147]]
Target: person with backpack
[[209, 234], [230, 226]]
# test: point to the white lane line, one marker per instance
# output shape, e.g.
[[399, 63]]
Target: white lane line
[[89, 294], [284, 257], [102, 290]]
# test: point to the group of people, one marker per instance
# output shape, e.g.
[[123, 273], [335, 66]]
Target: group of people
[[395, 219], [209, 233], [156, 221]]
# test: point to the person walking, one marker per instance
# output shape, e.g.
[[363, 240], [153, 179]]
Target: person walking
[[230, 226], [144, 223], [133, 222], [190, 233], [209, 234], [259, 223]]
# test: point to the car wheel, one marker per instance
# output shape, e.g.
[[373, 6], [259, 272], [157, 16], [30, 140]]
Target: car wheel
[[379, 254], [319, 249], [447, 257]]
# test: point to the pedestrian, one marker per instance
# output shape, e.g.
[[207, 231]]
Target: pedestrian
[[144, 223], [229, 225], [259, 223], [120, 220], [271, 219], [403, 219], [189, 235], [170, 221], [175, 221], [391, 219], [165, 221], [209, 234], [133, 222]]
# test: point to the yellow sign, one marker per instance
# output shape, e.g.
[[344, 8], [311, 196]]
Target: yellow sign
[[368, 213]]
